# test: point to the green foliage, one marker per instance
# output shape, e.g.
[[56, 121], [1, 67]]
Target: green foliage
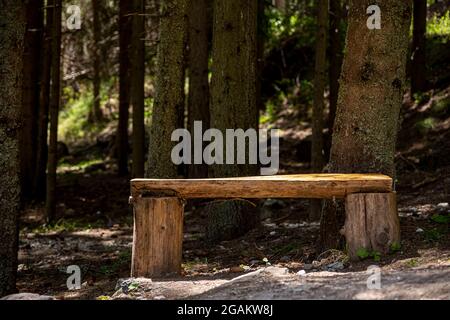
[[73, 117], [441, 219], [435, 234], [425, 125], [439, 27], [413, 263], [363, 254], [421, 98], [441, 107], [395, 247]]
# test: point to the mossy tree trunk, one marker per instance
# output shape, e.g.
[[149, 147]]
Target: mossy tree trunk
[[198, 59], [12, 30], [169, 88], [55, 95], [124, 86], [137, 86], [30, 98], [370, 97], [233, 103], [320, 72]]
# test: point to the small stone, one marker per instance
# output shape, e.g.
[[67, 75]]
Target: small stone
[[273, 233], [335, 266], [285, 258], [301, 273], [307, 266], [419, 230], [443, 205], [159, 298]]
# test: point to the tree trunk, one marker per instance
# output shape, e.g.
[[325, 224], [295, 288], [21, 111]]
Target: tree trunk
[[12, 30], [418, 65], [95, 114], [233, 102], [198, 58], [335, 62], [137, 86], [39, 183], [54, 110], [124, 86], [169, 99], [370, 97], [30, 98], [317, 154]]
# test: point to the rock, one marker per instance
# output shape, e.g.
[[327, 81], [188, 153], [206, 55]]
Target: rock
[[308, 266], [27, 296], [335, 266], [443, 205], [419, 230], [301, 273], [285, 259]]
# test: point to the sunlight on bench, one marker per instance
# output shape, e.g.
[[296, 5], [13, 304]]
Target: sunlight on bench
[[371, 211]]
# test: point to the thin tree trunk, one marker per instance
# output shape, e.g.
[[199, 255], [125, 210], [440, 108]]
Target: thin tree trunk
[[418, 65], [95, 115], [198, 58], [370, 97], [335, 59], [30, 99], [54, 111], [317, 154], [124, 86], [234, 103], [39, 183], [12, 30], [137, 87], [170, 81]]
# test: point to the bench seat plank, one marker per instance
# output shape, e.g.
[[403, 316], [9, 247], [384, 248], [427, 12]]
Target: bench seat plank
[[280, 186]]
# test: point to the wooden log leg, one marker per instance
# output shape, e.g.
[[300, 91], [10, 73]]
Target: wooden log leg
[[158, 237], [372, 223]]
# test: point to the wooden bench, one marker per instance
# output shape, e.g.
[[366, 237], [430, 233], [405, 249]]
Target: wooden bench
[[371, 211]]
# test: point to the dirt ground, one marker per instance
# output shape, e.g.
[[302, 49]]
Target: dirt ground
[[276, 260]]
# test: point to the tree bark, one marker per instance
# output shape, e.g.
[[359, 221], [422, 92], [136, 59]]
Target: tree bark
[[12, 30], [39, 183], [30, 98], [370, 97], [124, 86], [418, 65], [95, 114], [54, 111], [234, 102], [335, 59], [198, 59], [137, 87], [320, 71], [169, 99]]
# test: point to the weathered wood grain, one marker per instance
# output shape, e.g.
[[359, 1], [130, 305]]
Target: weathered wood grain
[[283, 186], [158, 237], [372, 223]]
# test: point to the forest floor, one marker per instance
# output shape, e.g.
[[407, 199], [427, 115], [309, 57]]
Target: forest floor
[[276, 260]]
